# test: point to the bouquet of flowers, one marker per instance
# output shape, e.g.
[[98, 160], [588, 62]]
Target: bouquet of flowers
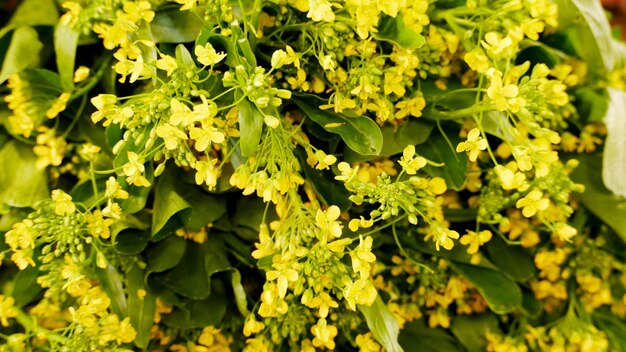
[[302, 175]]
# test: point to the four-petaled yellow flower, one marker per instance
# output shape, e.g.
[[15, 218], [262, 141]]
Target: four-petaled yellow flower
[[207, 55], [63, 204], [7, 310], [533, 202], [473, 145], [475, 239], [324, 334], [409, 162], [327, 221]]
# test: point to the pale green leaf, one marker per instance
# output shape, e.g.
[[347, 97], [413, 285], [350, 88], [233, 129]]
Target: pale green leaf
[[22, 184], [23, 52], [65, 44], [383, 324]]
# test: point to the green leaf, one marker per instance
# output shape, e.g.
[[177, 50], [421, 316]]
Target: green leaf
[[393, 29], [417, 337], [437, 149], [239, 292], [140, 309], [192, 276], [587, 27], [111, 281], [25, 286], [360, 133], [250, 125], [591, 103], [131, 241], [502, 294], [599, 200], [470, 330], [22, 184], [33, 13], [194, 314], [511, 259], [614, 157], [165, 254], [167, 204], [65, 44], [332, 192], [23, 52], [175, 26], [382, 324], [395, 139]]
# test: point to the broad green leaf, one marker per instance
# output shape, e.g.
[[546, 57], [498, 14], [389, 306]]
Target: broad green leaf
[[167, 203], [65, 44], [175, 26], [194, 314], [131, 241], [393, 29], [182, 54], [437, 149], [511, 259], [395, 139], [609, 207], [470, 330], [112, 284], [140, 309], [591, 103], [25, 286], [22, 184], [23, 52], [250, 126], [165, 254], [360, 133], [33, 13], [588, 28], [383, 324], [417, 337], [192, 276], [614, 161], [502, 294]]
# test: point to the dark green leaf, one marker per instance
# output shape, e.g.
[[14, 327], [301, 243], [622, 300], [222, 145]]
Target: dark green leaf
[[360, 133], [599, 200], [332, 192], [417, 337], [194, 314], [393, 29], [65, 44], [470, 330], [502, 294], [512, 260], [437, 149], [111, 282], [140, 309], [23, 52], [175, 26], [192, 276], [131, 241], [167, 203], [25, 286], [165, 254], [591, 103], [382, 324], [22, 184]]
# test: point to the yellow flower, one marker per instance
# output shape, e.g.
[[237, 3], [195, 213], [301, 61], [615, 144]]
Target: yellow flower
[[477, 60], [564, 231], [320, 10], [505, 97], [497, 46], [511, 179], [324, 334], [283, 273], [326, 220], [323, 300], [50, 150], [532, 203], [63, 204], [7, 310], [354, 224], [366, 343], [180, 114], [320, 160], [206, 172], [112, 210], [252, 326], [473, 145], [171, 135], [443, 237], [59, 105], [114, 190], [361, 291], [21, 236], [134, 169], [362, 256], [413, 107], [81, 74], [271, 304], [207, 55], [409, 162], [167, 64], [475, 240], [205, 136]]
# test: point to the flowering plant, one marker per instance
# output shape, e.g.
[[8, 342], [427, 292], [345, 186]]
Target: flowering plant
[[286, 175]]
